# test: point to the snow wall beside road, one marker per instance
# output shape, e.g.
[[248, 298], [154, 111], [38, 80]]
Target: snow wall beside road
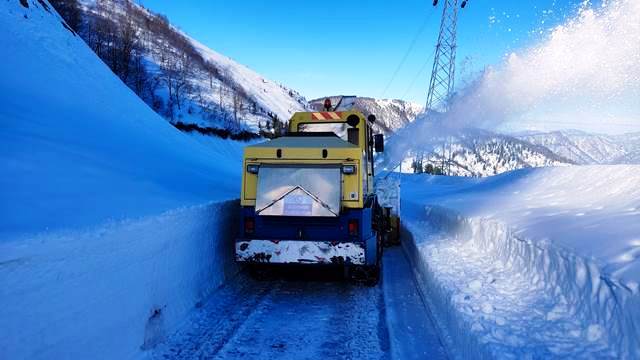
[[115, 290], [606, 311]]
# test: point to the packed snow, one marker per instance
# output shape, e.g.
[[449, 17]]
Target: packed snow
[[574, 208], [112, 221], [309, 313], [113, 290], [537, 262], [80, 148]]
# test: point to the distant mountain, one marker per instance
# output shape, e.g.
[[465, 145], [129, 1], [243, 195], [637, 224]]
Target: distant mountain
[[391, 114], [180, 78], [586, 148], [425, 144], [631, 144], [476, 153]]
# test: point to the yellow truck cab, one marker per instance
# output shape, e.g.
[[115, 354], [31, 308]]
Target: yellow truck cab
[[308, 197]]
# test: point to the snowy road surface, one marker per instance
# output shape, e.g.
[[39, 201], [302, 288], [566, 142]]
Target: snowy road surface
[[310, 316]]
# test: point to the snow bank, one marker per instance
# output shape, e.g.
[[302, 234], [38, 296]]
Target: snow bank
[[532, 263], [78, 147], [94, 263], [113, 290]]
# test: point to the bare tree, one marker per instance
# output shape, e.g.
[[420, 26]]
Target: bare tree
[[237, 107], [220, 93], [125, 46], [212, 73], [101, 33], [70, 12], [127, 37], [175, 73]]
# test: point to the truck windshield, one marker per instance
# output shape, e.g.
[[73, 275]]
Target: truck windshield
[[340, 129], [298, 191]]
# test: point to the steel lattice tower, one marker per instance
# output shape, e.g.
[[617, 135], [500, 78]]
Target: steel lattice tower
[[444, 62], [444, 69]]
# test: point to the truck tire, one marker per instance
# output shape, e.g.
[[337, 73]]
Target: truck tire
[[372, 277], [368, 275], [260, 272]]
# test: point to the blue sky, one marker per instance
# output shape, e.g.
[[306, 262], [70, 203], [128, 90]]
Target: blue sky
[[354, 47]]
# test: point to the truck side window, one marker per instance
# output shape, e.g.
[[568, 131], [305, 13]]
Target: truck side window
[[353, 136]]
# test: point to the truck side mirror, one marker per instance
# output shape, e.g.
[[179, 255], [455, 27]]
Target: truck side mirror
[[378, 142]]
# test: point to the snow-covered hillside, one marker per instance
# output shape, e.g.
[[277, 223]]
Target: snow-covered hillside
[[191, 83], [465, 152], [391, 114], [534, 263], [80, 147], [111, 220], [631, 143], [586, 148], [274, 97]]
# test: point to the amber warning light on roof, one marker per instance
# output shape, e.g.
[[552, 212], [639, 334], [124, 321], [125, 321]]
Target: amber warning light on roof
[[326, 115], [327, 104]]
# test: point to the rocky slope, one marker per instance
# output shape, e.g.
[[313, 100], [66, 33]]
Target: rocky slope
[[391, 114]]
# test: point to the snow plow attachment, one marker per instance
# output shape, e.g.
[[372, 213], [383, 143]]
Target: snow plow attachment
[[300, 252], [388, 190]]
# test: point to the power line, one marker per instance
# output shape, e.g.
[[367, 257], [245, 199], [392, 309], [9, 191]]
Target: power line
[[415, 78], [406, 54]]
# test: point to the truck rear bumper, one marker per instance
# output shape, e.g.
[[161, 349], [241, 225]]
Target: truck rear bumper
[[299, 252]]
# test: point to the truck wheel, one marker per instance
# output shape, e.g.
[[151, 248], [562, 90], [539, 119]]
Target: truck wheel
[[368, 275], [259, 272], [372, 276], [371, 273], [363, 274], [347, 273]]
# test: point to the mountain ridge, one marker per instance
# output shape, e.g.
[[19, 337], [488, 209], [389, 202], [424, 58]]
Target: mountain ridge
[[180, 78]]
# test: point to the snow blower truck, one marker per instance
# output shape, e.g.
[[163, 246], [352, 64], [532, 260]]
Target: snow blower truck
[[308, 196]]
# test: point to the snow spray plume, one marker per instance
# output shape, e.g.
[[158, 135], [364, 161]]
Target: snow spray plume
[[589, 65], [584, 73]]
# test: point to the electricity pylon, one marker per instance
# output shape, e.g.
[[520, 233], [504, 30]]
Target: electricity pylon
[[444, 64]]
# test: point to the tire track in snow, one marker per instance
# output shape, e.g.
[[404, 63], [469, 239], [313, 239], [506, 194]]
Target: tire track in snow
[[294, 315], [300, 319], [361, 331], [307, 319], [210, 328]]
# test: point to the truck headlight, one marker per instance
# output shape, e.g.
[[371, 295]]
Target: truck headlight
[[253, 168], [348, 169]]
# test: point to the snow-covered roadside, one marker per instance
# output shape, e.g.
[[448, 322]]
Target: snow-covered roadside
[[114, 290], [513, 273], [113, 224], [78, 148]]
